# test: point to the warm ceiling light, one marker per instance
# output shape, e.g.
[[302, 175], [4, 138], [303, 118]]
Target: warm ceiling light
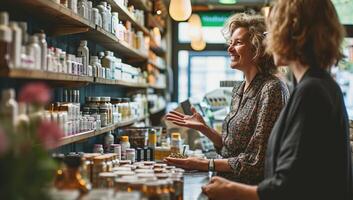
[[180, 10], [227, 1], [198, 45], [195, 27], [159, 12]]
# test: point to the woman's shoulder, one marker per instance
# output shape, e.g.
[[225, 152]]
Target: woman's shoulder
[[273, 84]]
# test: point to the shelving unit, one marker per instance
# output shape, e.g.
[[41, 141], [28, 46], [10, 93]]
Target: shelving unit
[[48, 12], [140, 5], [85, 135], [156, 65], [126, 15], [158, 87], [42, 75]]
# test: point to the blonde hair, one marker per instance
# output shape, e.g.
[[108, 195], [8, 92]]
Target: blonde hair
[[255, 24], [307, 31]]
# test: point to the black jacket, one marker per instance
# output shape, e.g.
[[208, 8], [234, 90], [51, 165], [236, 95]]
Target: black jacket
[[308, 155]]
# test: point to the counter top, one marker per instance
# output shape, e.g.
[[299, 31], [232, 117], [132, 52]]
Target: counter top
[[193, 181]]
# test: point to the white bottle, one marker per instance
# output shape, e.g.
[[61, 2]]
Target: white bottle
[[107, 63], [109, 17], [122, 31], [125, 144], [108, 140], [72, 4], [16, 44], [8, 107], [82, 9], [22, 121], [102, 7], [83, 52], [33, 49], [5, 39], [95, 65], [115, 23], [96, 17], [89, 10], [44, 50]]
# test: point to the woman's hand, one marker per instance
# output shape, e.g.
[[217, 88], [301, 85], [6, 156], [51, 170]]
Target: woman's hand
[[219, 188], [190, 163], [194, 121]]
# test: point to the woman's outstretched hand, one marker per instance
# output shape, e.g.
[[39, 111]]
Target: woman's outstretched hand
[[194, 121]]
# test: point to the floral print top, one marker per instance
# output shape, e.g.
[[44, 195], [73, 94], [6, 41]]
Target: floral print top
[[248, 125]]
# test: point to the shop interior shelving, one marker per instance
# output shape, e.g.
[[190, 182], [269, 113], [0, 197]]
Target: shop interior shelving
[[42, 75], [88, 134], [161, 67], [125, 15], [63, 21]]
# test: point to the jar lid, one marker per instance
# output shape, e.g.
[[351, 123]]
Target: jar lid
[[125, 138], [107, 174], [176, 136], [95, 99], [130, 150]]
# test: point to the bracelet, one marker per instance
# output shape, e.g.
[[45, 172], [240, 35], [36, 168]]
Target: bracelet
[[211, 165]]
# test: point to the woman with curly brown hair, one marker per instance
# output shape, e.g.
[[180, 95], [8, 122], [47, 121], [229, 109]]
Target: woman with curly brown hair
[[255, 107], [308, 155]]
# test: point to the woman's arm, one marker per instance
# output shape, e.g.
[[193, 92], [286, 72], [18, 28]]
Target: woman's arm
[[220, 188]]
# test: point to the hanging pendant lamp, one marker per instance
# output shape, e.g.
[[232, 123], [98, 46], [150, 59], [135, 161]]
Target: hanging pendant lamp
[[180, 10]]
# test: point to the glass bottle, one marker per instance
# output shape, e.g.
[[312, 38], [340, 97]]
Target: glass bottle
[[34, 50], [44, 50], [73, 179], [15, 55], [5, 39], [8, 108]]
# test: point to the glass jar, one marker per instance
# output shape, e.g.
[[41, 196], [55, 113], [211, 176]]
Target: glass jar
[[99, 166], [104, 115], [98, 148], [106, 180], [135, 185], [176, 143], [152, 191], [131, 155]]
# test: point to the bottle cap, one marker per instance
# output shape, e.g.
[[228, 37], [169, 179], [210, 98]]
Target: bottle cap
[[125, 138], [4, 18], [83, 43], [176, 136]]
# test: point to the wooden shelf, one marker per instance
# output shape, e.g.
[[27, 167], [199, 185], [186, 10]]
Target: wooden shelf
[[65, 20], [157, 87], [155, 111], [88, 134], [156, 65], [109, 41], [120, 82], [140, 5], [125, 15], [34, 74]]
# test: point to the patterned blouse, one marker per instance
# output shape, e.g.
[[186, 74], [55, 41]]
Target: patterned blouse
[[248, 125]]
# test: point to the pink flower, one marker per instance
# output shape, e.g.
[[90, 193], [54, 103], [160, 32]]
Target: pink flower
[[37, 93], [49, 134], [4, 143]]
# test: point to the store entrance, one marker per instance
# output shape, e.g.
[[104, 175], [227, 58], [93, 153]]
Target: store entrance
[[201, 72]]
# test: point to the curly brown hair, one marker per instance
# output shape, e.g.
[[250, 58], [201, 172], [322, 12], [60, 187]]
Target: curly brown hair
[[255, 24], [307, 31]]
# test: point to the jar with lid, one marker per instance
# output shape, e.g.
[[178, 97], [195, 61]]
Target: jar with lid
[[104, 114], [152, 138], [98, 148], [105, 103], [165, 187], [108, 161], [116, 148], [152, 190], [94, 103], [136, 185], [176, 143], [106, 180], [98, 166], [125, 144], [130, 155]]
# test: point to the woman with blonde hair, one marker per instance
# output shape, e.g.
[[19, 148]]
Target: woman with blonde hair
[[255, 107], [308, 155]]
